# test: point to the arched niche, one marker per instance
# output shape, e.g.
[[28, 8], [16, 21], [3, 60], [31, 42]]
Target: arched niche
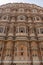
[[21, 17], [34, 10], [21, 9], [36, 18], [5, 17]]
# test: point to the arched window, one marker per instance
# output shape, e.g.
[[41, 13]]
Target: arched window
[[21, 10], [5, 17], [34, 10], [22, 30], [21, 53], [41, 30], [1, 46], [21, 17], [1, 29], [37, 18], [7, 10], [21, 48]]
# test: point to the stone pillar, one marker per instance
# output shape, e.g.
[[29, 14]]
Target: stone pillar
[[1, 50], [11, 31], [40, 48], [35, 54], [8, 54]]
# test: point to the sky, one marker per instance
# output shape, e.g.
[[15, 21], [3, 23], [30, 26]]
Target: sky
[[37, 2]]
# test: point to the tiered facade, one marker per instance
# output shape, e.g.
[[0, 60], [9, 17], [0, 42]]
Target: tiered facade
[[21, 34]]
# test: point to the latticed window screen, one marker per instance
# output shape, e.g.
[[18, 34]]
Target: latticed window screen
[[1, 46], [36, 18], [34, 11], [21, 17], [41, 30], [1, 29], [22, 30]]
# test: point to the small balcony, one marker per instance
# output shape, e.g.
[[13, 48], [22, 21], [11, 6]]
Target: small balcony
[[32, 34], [39, 35], [21, 59], [21, 36], [10, 34]]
